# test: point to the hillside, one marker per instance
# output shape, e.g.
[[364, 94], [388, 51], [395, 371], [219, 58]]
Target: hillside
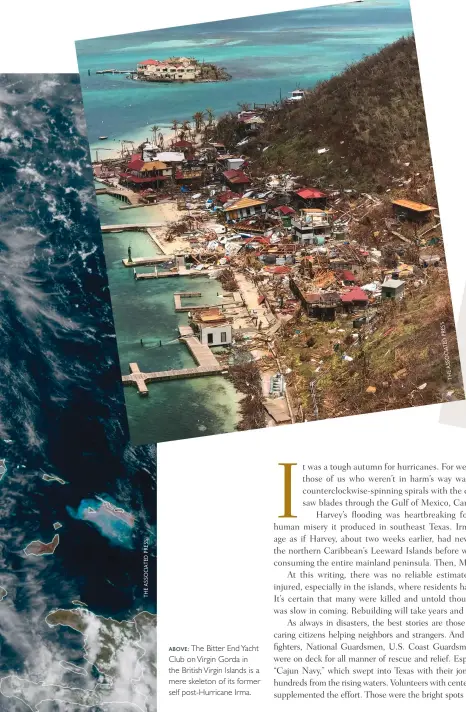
[[370, 118], [407, 357], [371, 122]]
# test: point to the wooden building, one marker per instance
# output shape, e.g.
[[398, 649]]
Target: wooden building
[[410, 210]]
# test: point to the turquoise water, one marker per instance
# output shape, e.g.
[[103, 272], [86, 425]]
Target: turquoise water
[[266, 55], [145, 310], [111, 214]]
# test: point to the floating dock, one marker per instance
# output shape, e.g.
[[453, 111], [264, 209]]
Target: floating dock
[[207, 365]]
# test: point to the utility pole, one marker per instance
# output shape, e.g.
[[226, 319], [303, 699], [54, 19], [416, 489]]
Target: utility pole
[[312, 388]]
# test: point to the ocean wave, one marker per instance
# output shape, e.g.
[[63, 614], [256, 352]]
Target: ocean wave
[[62, 409]]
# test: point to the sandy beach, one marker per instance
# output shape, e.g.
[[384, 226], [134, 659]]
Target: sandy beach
[[112, 147]]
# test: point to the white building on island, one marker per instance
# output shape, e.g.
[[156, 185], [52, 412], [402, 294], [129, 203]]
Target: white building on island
[[176, 69]]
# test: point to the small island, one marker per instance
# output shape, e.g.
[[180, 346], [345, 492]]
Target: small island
[[39, 548], [53, 478], [179, 69]]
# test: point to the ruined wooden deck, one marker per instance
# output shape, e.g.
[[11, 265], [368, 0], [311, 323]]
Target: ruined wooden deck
[[207, 365]]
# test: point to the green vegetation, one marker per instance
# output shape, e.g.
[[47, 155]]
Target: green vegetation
[[371, 119], [371, 122], [402, 354], [212, 73]]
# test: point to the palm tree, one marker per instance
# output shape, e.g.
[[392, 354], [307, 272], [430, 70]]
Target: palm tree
[[174, 126], [154, 130], [198, 119], [186, 126], [210, 115]]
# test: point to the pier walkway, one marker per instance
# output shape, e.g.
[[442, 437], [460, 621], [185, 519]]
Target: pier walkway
[[178, 296], [179, 271], [124, 227], [145, 261], [207, 365], [121, 193]]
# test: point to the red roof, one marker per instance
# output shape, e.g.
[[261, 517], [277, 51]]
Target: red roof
[[149, 61], [182, 143], [309, 193], [246, 115], [330, 298], [284, 210], [355, 295], [135, 164], [348, 276], [235, 176], [226, 196], [136, 179], [279, 269], [261, 240]]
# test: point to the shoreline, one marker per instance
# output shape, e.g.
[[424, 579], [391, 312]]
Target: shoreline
[[139, 136], [166, 213], [108, 150]]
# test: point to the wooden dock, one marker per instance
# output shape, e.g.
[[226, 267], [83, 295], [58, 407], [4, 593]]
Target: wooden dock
[[207, 365], [127, 196], [179, 272], [178, 296], [135, 226], [145, 261], [157, 275]]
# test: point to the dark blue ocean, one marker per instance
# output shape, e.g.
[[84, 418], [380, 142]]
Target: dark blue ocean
[[62, 410]]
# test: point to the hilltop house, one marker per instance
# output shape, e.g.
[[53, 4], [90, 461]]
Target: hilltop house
[[189, 176], [348, 278], [393, 289], [311, 225], [251, 120], [244, 208], [182, 144], [410, 210], [356, 297], [320, 305], [230, 162], [217, 149], [310, 198], [236, 180]]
